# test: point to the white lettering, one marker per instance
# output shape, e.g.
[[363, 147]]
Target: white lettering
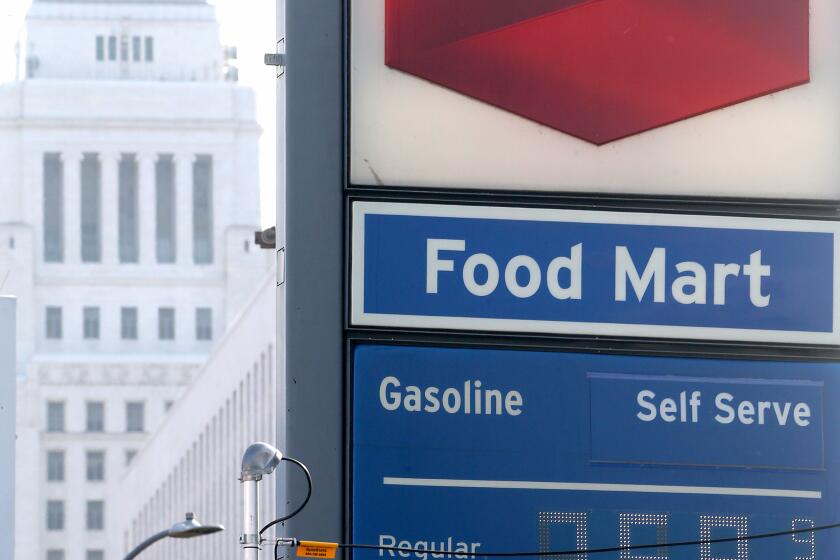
[[435, 265], [574, 265], [534, 276], [756, 271], [489, 286], [625, 270]]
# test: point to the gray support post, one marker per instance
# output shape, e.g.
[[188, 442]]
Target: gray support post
[[314, 352]]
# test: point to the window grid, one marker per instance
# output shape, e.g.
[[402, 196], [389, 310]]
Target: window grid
[[128, 323], [134, 417], [150, 49], [135, 48], [95, 555], [95, 417], [112, 47], [54, 320], [95, 515], [55, 416], [203, 210], [91, 323], [95, 466], [55, 466], [165, 215], [91, 215], [53, 208], [55, 515], [55, 554], [128, 209], [100, 48], [166, 323], [204, 323]]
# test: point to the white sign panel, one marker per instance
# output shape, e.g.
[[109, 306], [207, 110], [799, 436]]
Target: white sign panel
[[709, 98], [7, 427]]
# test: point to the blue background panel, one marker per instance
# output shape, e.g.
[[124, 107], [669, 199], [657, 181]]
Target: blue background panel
[[800, 284], [400, 457]]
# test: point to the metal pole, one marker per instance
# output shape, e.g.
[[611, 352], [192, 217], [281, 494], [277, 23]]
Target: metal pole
[[146, 544], [250, 539]]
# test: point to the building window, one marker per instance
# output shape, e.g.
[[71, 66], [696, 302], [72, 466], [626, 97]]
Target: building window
[[112, 47], [165, 209], [128, 323], [55, 554], [91, 217], [53, 208], [203, 210], [95, 466], [130, 454], [95, 555], [134, 417], [55, 416], [55, 466], [95, 416], [54, 323], [91, 323], [135, 49], [128, 209], [166, 323], [204, 323], [95, 515], [55, 515], [100, 48], [150, 49], [124, 48]]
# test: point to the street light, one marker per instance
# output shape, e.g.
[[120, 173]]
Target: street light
[[186, 529], [260, 459]]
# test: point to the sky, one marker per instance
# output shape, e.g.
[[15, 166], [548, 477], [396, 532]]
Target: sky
[[247, 24]]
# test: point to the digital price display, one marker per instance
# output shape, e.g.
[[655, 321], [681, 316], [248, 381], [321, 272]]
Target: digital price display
[[462, 451]]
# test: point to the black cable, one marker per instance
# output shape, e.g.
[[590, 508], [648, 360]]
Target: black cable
[[591, 550], [305, 501]]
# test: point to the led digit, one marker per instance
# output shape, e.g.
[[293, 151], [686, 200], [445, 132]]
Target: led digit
[[546, 519], [710, 522], [808, 538], [625, 523]]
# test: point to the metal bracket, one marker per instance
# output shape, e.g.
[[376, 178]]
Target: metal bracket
[[275, 59], [281, 266]]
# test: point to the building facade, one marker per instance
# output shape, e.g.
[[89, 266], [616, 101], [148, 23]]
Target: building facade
[[192, 463], [130, 198]]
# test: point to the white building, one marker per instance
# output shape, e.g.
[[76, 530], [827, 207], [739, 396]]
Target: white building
[[192, 462], [129, 201]]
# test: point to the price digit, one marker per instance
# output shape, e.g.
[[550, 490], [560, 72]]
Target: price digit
[[546, 519], [626, 521], [808, 538], [710, 522]]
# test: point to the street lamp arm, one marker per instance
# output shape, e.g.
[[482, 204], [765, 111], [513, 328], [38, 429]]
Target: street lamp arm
[[146, 544]]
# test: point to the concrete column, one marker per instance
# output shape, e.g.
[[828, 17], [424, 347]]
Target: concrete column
[[110, 207], [184, 209], [147, 207], [72, 206]]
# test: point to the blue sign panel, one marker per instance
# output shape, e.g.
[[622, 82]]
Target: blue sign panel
[[460, 450], [604, 273]]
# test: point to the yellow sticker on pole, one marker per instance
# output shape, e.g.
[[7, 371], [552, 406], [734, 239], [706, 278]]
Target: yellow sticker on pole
[[315, 549]]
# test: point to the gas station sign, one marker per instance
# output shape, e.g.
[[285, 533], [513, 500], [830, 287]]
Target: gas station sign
[[587, 272], [464, 451], [718, 98]]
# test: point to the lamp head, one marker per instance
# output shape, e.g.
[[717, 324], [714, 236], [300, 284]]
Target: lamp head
[[260, 459], [192, 528]]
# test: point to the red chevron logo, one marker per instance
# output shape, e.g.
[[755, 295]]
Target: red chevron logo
[[601, 70]]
